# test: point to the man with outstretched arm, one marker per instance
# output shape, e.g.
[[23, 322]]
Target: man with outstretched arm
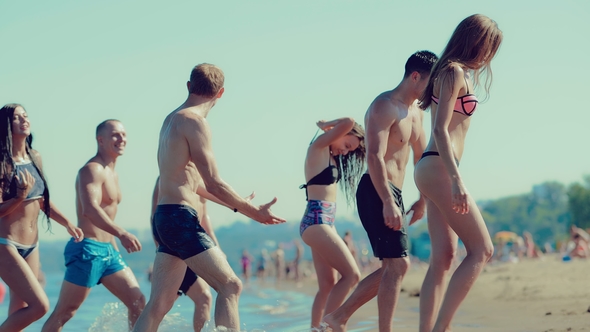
[[185, 159]]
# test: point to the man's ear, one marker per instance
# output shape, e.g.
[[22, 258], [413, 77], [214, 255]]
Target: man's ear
[[220, 93], [416, 76]]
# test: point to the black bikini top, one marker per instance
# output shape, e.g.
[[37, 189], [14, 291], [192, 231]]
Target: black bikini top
[[327, 176]]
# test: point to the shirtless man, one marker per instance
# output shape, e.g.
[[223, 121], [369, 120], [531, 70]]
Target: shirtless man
[[393, 125], [96, 259], [185, 159], [193, 286]]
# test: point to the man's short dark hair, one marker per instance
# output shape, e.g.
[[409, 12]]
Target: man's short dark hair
[[103, 124], [421, 61]]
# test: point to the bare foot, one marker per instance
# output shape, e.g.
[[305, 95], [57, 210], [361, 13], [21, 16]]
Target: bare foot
[[335, 324]]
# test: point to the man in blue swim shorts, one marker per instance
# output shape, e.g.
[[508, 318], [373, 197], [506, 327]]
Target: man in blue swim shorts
[[96, 259], [185, 159]]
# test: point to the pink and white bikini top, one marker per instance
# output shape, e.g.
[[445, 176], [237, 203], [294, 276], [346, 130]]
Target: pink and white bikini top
[[466, 104]]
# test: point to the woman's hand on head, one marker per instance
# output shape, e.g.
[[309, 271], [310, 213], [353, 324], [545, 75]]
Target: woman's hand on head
[[323, 125]]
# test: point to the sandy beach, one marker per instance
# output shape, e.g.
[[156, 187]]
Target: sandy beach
[[532, 295]]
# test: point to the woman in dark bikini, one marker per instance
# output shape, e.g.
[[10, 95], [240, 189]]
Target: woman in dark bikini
[[452, 212], [23, 194], [337, 155]]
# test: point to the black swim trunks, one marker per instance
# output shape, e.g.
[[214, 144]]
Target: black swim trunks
[[189, 279], [178, 231], [386, 242]]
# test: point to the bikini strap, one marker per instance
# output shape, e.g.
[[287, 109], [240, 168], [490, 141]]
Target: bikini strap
[[314, 136], [466, 84]]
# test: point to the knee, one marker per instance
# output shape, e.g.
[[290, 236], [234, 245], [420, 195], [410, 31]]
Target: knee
[[443, 260], [484, 252], [139, 303], [355, 276], [204, 299], [159, 307], [396, 266], [232, 287], [40, 309], [488, 252], [325, 285], [62, 314]]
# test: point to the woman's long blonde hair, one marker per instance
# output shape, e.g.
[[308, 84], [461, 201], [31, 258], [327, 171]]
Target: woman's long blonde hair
[[352, 165]]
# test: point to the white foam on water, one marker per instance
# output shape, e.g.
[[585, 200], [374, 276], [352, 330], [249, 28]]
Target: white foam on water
[[113, 318]]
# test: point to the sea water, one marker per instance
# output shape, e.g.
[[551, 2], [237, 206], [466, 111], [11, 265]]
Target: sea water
[[261, 309]]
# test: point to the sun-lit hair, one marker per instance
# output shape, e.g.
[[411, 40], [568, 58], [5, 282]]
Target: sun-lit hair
[[352, 165], [421, 61], [7, 165], [206, 80], [473, 45]]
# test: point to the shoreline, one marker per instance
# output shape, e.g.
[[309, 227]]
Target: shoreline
[[545, 295]]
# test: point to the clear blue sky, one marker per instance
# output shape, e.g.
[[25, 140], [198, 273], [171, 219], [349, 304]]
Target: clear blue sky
[[73, 64]]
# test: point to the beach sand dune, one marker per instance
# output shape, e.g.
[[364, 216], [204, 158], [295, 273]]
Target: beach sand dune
[[544, 295]]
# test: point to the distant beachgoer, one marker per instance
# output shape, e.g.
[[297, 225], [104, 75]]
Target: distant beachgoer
[[246, 264], [24, 194], [192, 286], [394, 127], [337, 155], [261, 271], [574, 230], [186, 160], [548, 248], [519, 248], [452, 212], [580, 243], [97, 259], [278, 257], [531, 250], [347, 238], [299, 250]]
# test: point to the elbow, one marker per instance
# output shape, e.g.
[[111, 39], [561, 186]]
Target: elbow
[[213, 186], [439, 133], [373, 159], [88, 212]]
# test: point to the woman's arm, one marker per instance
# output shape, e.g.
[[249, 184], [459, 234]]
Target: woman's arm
[[60, 218], [56, 215], [24, 183], [451, 84], [333, 130]]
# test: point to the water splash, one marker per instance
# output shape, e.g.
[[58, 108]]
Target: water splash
[[113, 318]]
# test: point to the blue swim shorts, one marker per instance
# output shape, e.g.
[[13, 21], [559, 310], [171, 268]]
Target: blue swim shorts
[[178, 231], [88, 261]]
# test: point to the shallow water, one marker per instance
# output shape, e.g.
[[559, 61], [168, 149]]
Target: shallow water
[[261, 309]]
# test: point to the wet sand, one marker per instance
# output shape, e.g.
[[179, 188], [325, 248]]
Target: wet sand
[[532, 295]]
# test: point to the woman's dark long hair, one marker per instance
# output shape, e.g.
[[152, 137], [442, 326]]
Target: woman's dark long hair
[[352, 165], [7, 165]]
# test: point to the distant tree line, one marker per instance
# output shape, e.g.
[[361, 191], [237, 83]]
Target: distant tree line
[[579, 203], [547, 211]]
